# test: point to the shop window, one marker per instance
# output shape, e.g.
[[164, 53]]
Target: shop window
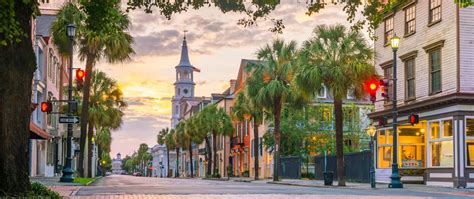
[[470, 141], [412, 145], [441, 143], [384, 150]]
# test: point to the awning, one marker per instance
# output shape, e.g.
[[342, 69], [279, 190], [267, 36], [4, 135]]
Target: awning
[[38, 133]]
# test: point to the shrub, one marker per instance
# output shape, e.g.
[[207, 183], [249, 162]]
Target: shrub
[[216, 175], [40, 190], [307, 175], [245, 173]]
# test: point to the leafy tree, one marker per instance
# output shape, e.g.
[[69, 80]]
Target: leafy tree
[[246, 107], [162, 140], [340, 60], [101, 34], [218, 122], [270, 84], [142, 156]]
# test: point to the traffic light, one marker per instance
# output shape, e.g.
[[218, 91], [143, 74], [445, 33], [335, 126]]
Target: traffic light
[[80, 74], [382, 121], [413, 119], [371, 87], [46, 107], [384, 83]]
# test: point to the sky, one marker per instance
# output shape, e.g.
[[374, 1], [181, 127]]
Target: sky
[[216, 45]]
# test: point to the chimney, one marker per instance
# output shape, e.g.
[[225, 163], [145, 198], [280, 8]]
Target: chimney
[[232, 86]]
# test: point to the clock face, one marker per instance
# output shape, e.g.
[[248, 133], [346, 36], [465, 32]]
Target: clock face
[[185, 91]]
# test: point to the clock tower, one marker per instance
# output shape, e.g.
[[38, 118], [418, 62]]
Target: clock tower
[[184, 84]]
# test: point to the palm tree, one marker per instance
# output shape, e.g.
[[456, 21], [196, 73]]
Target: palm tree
[[103, 140], [105, 110], [194, 136], [340, 60], [170, 145], [96, 39], [270, 84], [162, 140], [218, 122], [246, 107], [178, 137]]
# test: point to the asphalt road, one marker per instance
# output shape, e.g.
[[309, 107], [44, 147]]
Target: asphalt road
[[117, 186]]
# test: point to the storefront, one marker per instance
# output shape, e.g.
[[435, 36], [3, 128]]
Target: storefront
[[438, 151]]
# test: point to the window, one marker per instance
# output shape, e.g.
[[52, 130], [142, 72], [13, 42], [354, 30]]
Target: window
[[40, 63], [351, 93], [322, 92], [435, 71], [410, 79], [388, 74], [50, 63], [388, 30], [412, 145], [435, 11], [470, 141], [441, 143], [384, 148], [410, 20]]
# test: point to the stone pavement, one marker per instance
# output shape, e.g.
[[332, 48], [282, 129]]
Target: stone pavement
[[240, 196]]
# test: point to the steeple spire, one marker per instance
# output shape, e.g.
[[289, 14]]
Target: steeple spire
[[184, 61]]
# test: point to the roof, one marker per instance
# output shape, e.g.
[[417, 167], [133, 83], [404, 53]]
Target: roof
[[43, 25], [241, 77]]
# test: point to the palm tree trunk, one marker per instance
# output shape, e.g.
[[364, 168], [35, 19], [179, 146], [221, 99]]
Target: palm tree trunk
[[277, 136], [17, 64], [255, 148], [176, 174], [89, 149], [168, 163], [191, 158], [209, 157], [85, 112], [214, 148], [339, 142]]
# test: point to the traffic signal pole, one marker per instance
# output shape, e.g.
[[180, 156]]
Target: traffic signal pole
[[67, 170]]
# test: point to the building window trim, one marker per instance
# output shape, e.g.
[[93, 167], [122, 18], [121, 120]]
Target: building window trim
[[409, 21], [431, 72], [412, 78], [430, 13], [388, 32], [324, 96], [439, 139], [467, 138]]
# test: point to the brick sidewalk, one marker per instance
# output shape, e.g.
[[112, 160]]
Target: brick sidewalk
[[65, 191], [240, 196]]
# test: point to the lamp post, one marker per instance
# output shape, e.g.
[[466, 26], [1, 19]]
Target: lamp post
[[67, 171], [395, 177], [371, 133]]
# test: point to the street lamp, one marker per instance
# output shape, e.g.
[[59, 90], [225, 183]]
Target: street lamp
[[395, 177], [67, 171], [371, 133]]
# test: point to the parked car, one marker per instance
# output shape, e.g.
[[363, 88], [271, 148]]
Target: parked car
[[137, 174]]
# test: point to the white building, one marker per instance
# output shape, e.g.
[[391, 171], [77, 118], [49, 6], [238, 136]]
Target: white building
[[117, 164], [435, 67]]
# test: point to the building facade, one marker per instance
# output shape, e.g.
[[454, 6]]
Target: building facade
[[435, 65], [117, 164]]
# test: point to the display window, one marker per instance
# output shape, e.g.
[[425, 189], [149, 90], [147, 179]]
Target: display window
[[384, 148], [412, 151], [441, 143], [470, 141]]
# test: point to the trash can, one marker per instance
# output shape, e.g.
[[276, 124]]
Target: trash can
[[328, 178]]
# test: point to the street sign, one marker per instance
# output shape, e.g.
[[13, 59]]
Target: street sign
[[69, 120]]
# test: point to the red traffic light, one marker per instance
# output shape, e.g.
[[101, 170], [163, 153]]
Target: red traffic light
[[80, 74], [46, 107], [413, 119], [371, 87]]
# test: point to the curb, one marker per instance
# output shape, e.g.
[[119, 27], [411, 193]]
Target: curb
[[247, 181], [315, 186], [92, 181], [215, 179], [75, 192]]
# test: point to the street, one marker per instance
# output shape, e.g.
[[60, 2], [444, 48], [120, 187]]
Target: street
[[121, 186]]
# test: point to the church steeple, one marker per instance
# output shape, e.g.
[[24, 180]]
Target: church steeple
[[184, 61]]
